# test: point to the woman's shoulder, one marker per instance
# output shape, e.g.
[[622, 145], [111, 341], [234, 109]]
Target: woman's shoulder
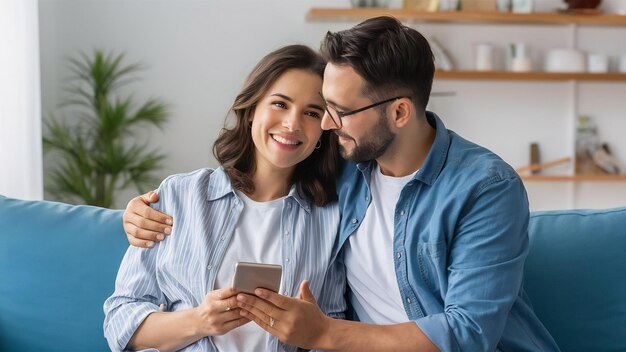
[[188, 177], [188, 185]]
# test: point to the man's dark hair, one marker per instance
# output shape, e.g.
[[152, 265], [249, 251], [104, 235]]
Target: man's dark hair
[[394, 60]]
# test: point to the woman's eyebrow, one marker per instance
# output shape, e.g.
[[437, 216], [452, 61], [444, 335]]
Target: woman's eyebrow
[[289, 99]]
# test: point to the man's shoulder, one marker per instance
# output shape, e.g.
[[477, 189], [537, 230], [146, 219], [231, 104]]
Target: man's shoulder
[[474, 162]]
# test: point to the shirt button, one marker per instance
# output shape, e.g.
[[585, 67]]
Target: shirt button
[[367, 198], [286, 233], [402, 212], [408, 300], [354, 221], [222, 238], [399, 255], [209, 267], [287, 260]]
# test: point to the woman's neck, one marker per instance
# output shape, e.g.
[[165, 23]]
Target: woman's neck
[[270, 183]]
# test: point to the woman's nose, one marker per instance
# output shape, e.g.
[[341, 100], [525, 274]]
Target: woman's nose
[[292, 121]]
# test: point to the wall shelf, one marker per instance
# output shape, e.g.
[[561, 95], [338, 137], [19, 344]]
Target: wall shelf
[[529, 76], [347, 14], [572, 21], [575, 178]]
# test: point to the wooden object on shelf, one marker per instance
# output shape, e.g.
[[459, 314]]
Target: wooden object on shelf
[[421, 5], [534, 156], [529, 76], [563, 178], [478, 5], [541, 166], [334, 14]]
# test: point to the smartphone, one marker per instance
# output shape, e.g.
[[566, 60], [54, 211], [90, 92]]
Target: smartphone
[[249, 276]]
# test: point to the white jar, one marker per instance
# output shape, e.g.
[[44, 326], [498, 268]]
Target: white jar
[[597, 63], [484, 54], [522, 6]]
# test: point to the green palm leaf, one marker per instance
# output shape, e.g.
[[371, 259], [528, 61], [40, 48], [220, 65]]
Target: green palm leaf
[[94, 140]]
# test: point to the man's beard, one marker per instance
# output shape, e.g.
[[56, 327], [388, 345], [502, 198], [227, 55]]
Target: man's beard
[[372, 147]]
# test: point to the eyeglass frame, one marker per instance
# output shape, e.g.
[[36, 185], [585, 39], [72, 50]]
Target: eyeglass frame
[[342, 114]]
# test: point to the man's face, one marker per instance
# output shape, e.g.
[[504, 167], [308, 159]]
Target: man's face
[[365, 135]]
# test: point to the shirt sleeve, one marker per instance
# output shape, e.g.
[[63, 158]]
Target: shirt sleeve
[[136, 296], [137, 292], [485, 270]]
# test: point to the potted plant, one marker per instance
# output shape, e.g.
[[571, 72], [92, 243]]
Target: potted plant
[[94, 139]]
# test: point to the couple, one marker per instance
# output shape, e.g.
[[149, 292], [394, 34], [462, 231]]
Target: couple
[[429, 231]]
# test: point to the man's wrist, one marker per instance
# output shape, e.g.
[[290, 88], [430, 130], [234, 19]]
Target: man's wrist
[[328, 338]]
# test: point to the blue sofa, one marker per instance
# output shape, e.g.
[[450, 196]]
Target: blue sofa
[[58, 264]]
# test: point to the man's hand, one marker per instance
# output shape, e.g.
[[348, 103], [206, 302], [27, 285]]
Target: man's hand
[[218, 313], [295, 321], [143, 225]]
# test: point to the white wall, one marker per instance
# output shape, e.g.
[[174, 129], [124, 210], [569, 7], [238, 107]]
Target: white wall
[[199, 51], [20, 123]]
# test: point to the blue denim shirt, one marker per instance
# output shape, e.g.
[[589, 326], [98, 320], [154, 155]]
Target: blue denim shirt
[[460, 242]]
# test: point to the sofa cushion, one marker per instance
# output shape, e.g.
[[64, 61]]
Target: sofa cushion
[[576, 277], [58, 264]]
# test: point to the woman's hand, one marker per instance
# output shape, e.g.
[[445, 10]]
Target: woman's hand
[[219, 313]]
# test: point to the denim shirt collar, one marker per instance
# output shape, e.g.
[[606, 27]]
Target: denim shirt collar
[[435, 161], [220, 186]]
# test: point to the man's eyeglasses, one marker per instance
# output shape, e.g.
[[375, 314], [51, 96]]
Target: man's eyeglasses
[[337, 116]]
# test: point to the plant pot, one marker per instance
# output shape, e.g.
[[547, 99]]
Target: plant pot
[[582, 4]]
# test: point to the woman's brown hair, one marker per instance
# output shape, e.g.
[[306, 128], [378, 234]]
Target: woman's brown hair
[[314, 177]]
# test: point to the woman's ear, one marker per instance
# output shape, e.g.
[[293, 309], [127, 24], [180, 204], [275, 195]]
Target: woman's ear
[[402, 112]]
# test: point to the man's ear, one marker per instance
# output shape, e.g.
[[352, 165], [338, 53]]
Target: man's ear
[[403, 111]]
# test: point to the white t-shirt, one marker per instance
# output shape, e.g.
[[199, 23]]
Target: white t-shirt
[[375, 295], [256, 239]]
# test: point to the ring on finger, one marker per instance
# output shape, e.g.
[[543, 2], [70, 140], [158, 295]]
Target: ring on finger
[[228, 306], [272, 321]]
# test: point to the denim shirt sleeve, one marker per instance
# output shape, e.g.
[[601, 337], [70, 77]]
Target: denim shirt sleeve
[[486, 261]]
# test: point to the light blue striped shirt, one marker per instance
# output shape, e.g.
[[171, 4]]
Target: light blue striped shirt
[[181, 270]]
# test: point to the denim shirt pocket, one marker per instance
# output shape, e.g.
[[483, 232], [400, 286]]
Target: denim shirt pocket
[[431, 262]]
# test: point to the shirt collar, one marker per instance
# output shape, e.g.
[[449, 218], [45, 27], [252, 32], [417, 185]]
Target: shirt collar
[[221, 186], [436, 158]]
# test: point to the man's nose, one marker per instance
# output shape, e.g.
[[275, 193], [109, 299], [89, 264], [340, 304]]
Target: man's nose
[[328, 123]]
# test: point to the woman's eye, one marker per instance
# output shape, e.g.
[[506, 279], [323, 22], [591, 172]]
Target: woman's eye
[[279, 104], [313, 114]]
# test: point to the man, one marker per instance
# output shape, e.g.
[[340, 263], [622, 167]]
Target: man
[[433, 234]]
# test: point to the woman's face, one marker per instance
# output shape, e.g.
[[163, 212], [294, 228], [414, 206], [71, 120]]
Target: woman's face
[[286, 123]]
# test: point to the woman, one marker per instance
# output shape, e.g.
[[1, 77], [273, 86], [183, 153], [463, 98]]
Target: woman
[[271, 201]]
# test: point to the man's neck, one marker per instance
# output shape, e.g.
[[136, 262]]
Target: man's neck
[[409, 150]]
